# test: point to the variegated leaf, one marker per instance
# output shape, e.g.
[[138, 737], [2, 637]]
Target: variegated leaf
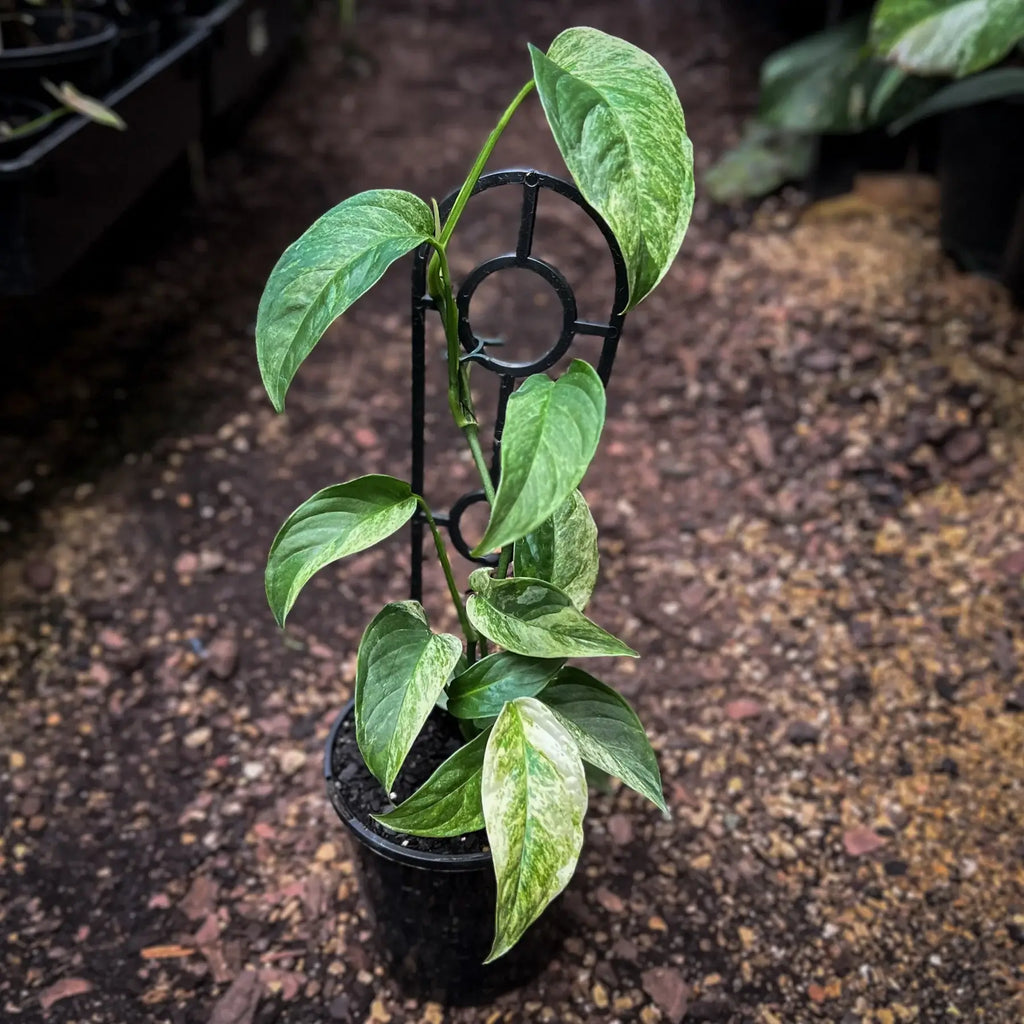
[[534, 797], [335, 522], [606, 730], [551, 433], [448, 803], [400, 670], [483, 689], [563, 551], [536, 619]]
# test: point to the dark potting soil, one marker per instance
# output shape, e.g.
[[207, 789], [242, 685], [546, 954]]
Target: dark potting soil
[[364, 795]]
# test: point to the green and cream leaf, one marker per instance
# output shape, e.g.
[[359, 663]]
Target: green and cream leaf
[[337, 521], [483, 689], [563, 551], [449, 802], [534, 795], [946, 37], [401, 668], [550, 436], [616, 118], [535, 619], [321, 274]]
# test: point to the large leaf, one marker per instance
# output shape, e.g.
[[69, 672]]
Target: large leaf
[[322, 273], [400, 670], [536, 619], [823, 83], [563, 551], [946, 37], [448, 803], [487, 685], [997, 84], [550, 436], [335, 522], [763, 160], [534, 798], [616, 118], [606, 730]]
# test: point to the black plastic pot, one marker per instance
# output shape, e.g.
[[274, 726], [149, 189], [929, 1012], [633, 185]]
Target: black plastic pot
[[17, 111], [83, 55], [434, 913], [981, 174]]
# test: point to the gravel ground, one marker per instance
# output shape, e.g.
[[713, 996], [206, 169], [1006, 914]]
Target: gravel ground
[[811, 495]]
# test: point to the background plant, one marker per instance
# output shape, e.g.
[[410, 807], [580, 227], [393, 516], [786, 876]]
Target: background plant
[[888, 68], [531, 719]]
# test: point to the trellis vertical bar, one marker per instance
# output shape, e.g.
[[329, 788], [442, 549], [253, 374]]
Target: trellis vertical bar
[[476, 349]]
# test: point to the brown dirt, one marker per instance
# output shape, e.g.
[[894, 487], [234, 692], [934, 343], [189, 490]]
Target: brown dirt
[[811, 494]]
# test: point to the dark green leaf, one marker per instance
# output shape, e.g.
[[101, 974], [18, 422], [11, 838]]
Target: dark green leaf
[[762, 161], [335, 522], [448, 803], [997, 84], [536, 619], [483, 689], [616, 118], [321, 274], [606, 730], [551, 433], [534, 798], [400, 670], [823, 83], [946, 37], [563, 551]]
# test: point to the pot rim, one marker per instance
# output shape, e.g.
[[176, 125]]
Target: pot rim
[[104, 32], [447, 862]]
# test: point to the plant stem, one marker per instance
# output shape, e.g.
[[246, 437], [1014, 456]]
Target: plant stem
[[439, 284], [477, 169], [460, 397], [36, 122], [473, 438], [446, 565]]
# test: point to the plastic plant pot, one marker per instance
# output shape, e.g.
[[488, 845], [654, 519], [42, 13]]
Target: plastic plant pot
[[981, 178], [83, 55], [433, 913]]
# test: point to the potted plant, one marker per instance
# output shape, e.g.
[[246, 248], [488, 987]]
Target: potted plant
[[981, 54], [59, 42], [498, 722]]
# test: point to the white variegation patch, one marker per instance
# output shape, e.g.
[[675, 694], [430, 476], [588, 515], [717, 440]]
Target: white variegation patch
[[563, 551], [618, 123], [536, 619], [534, 794]]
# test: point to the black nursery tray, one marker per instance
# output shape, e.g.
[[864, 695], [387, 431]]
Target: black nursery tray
[[248, 39], [59, 196]]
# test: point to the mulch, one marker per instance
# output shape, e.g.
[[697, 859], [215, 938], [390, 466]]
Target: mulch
[[811, 497]]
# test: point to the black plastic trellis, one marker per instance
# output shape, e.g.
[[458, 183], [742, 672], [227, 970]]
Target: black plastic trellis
[[532, 183]]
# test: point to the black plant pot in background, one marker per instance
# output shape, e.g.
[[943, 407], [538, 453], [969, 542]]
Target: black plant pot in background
[[76, 47], [842, 157], [433, 913], [981, 175]]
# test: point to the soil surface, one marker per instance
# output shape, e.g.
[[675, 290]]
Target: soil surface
[[361, 796], [811, 496]]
